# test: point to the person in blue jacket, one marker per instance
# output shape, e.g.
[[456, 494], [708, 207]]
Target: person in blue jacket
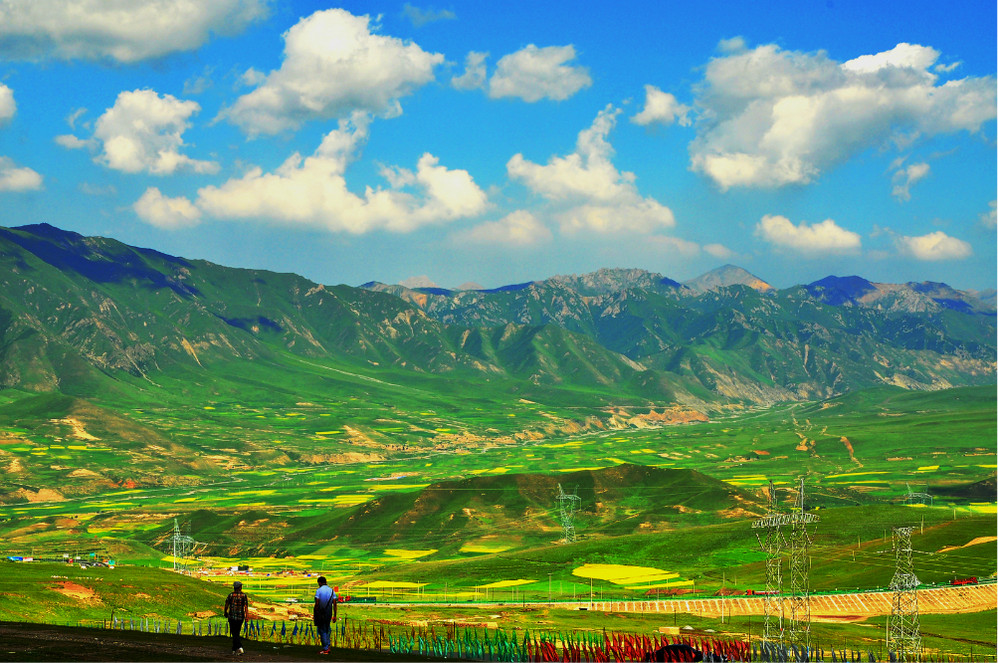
[[324, 613]]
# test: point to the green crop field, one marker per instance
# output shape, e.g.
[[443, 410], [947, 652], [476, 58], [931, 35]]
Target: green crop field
[[433, 499]]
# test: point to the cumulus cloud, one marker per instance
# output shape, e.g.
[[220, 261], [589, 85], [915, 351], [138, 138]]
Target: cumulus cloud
[[312, 191], [823, 237], [14, 178], [334, 64], [534, 73], [661, 108], [167, 213], [642, 216], [7, 105], [769, 117], [904, 178], [474, 72], [118, 30], [587, 173], [519, 228], [589, 192], [421, 17], [934, 246], [143, 133]]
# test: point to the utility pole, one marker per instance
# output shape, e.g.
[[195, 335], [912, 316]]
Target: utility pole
[[904, 637], [567, 505]]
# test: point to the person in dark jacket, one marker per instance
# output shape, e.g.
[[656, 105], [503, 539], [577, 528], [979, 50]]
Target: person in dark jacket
[[236, 610], [324, 613]]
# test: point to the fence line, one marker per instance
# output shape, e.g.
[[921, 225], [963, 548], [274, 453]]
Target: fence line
[[515, 646]]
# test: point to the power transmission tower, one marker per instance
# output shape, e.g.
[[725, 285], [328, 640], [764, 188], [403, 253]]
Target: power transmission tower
[[904, 637], [800, 569], [772, 545], [917, 498], [182, 546], [567, 505]]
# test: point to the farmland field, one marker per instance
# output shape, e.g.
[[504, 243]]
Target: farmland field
[[432, 507]]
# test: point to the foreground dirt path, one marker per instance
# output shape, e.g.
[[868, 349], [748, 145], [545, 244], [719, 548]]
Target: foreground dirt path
[[41, 642]]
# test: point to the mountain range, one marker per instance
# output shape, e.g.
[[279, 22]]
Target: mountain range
[[79, 315]]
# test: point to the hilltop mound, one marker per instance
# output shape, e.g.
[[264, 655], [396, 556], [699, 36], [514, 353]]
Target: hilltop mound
[[523, 507]]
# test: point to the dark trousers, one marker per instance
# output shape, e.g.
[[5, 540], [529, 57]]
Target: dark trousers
[[235, 626], [325, 631]]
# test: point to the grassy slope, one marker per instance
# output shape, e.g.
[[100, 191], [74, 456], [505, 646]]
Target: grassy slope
[[30, 593]]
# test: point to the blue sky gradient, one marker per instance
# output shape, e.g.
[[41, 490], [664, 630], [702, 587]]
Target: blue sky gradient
[[503, 142]]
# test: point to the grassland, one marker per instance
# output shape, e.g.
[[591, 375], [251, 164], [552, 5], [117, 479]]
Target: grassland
[[407, 494]]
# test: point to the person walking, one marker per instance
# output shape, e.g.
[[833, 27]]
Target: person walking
[[236, 610], [324, 613]]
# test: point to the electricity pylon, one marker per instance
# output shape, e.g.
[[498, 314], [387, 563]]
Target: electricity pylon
[[182, 547], [904, 637], [567, 505], [772, 545], [917, 498], [800, 570]]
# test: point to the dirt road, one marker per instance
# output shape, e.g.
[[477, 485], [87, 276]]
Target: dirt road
[[41, 642]]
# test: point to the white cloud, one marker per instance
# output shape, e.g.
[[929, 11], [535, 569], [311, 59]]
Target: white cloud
[[718, 251], [586, 174], [989, 219], [13, 178], [590, 194], [643, 216], [167, 213], [199, 83], [333, 65], [535, 73], [421, 17], [823, 237], [74, 116], [672, 245], [312, 191], [768, 117], [7, 105], [733, 45], [143, 133], [661, 108], [934, 246], [903, 178], [252, 77], [474, 72], [71, 142], [519, 228], [118, 30], [902, 56]]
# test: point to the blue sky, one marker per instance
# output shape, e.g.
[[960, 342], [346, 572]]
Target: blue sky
[[503, 142]]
